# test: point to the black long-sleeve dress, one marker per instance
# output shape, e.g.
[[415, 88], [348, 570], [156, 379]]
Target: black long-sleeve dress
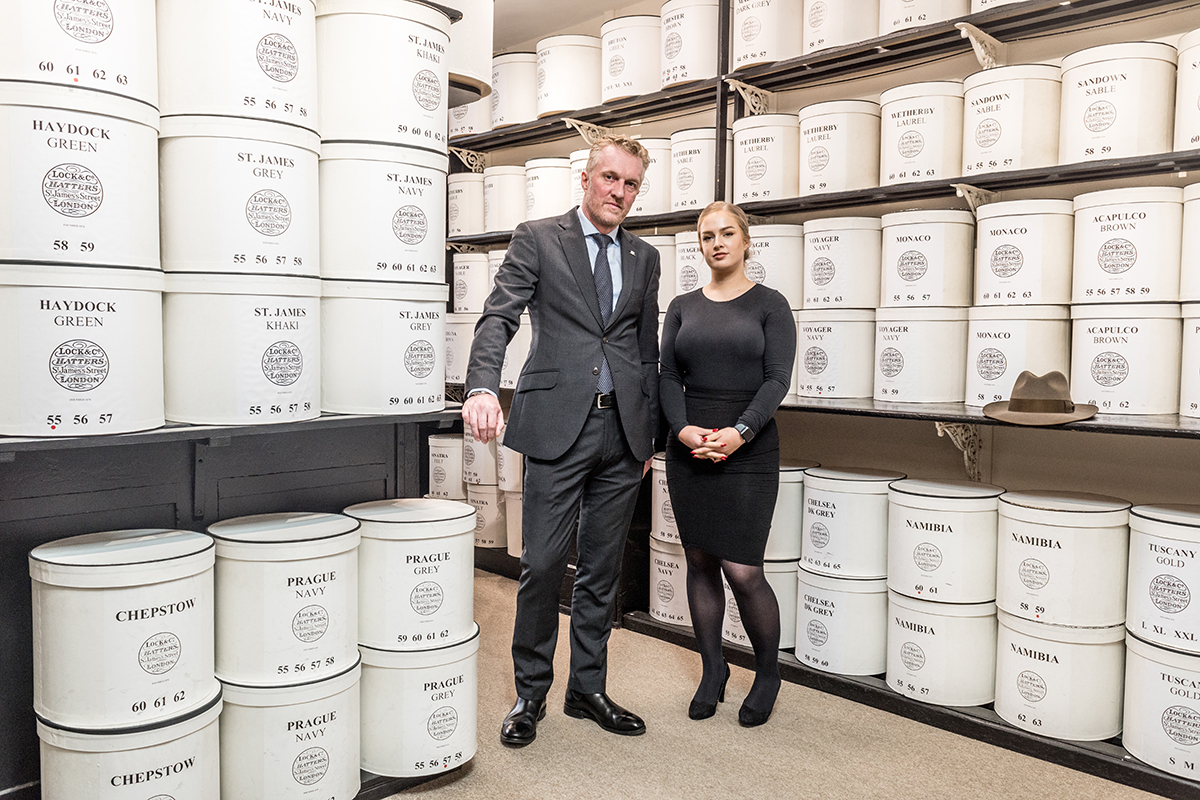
[[725, 362]]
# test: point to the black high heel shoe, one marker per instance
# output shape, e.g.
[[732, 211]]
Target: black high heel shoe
[[749, 717], [699, 710]]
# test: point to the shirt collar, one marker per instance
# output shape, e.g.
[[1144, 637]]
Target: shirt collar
[[589, 229]]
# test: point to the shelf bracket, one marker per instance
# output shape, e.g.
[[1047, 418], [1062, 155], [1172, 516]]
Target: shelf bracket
[[472, 160], [455, 247], [975, 196], [759, 101], [990, 51], [587, 130], [966, 438]]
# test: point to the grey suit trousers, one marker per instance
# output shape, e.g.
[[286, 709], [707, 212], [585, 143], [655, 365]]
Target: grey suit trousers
[[596, 481]]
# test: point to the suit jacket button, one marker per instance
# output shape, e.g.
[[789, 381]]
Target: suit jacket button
[[595, 370]]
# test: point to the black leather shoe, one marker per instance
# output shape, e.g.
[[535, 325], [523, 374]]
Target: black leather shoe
[[604, 712], [520, 726]]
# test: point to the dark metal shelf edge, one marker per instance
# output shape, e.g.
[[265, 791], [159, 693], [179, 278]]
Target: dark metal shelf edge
[[1102, 759], [377, 787]]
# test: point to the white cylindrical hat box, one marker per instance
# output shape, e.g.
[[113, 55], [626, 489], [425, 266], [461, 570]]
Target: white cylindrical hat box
[[1063, 558], [514, 89], [694, 167], [928, 258], [470, 119], [1023, 252], [839, 146], [420, 709], [1010, 118], [668, 583], [491, 528], [516, 354], [662, 517], [921, 355], [1005, 341], [1128, 245], [579, 159], [841, 255], [464, 207], [689, 31], [1162, 707], [510, 467], [764, 32], [1061, 682], [1189, 277], [471, 284], [383, 213], [1163, 576], [184, 751], [781, 577], [835, 353], [547, 187], [1126, 359], [846, 521], [665, 245], [116, 46], [828, 23], [776, 259], [691, 272], [80, 350], [241, 349], [470, 64], [286, 597], [460, 331], [281, 742], [942, 653], [512, 522], [654, 195], [479, 460], [445, 466], [942, 540], [81, 177], [787, 522], [1187, 94], [1118, 101], [239, 196], [402, 45], [382, 347], [765, 157], [841, 624], [122, 628], [922, 132], [229, 59], [629, 61], [1189, 387], [898, 15], [568, 74], [504, 200], [416, 571]]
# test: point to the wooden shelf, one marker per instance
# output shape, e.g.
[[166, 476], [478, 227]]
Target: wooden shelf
[[177, 432], [1107, 759]]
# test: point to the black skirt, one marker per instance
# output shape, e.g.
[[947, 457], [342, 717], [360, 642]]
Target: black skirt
[[724, 508]]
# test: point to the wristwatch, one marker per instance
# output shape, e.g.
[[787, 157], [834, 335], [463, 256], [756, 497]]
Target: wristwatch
[[745, 432]]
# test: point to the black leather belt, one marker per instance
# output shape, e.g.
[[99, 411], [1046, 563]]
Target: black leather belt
[[608, 400]]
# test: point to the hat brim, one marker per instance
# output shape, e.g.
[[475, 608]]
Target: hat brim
[[1000, 411]]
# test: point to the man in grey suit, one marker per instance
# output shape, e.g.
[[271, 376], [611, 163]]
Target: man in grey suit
[[584, 414]]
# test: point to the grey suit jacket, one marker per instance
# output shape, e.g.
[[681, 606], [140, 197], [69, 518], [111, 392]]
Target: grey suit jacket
[[547, 271]]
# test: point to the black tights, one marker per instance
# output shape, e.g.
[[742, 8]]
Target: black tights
[[760, 617]]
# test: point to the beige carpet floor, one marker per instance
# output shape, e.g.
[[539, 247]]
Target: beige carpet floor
[[815, 746]]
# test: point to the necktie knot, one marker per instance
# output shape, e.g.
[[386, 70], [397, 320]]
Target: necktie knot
[[602, 239]]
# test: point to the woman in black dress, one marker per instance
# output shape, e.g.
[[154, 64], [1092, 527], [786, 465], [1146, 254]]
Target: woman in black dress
[[727, 354]]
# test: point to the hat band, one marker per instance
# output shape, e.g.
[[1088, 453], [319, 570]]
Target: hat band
[[1041, 406]]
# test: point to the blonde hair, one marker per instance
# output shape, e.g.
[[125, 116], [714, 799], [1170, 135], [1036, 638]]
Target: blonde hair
[[743, 221], [631, 146]]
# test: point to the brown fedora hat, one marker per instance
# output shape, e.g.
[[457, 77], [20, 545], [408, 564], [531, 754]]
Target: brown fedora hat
[[1039, 400]]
